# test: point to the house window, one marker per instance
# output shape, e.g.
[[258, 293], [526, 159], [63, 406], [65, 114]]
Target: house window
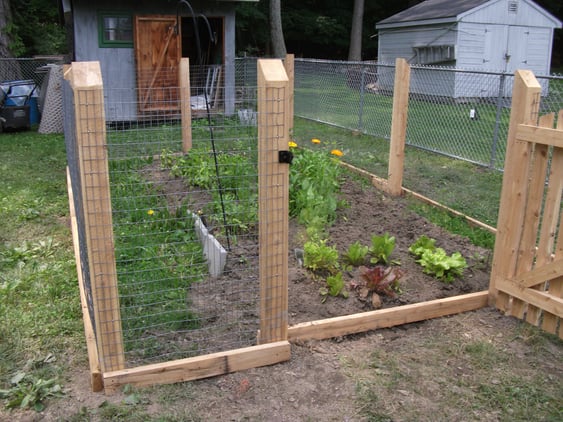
[[115, 29], [431, 54]]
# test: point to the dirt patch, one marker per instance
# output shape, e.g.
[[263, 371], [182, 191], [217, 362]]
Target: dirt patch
[[370, 212], [367, 212]]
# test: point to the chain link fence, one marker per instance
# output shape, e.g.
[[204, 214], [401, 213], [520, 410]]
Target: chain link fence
[[454, 113]]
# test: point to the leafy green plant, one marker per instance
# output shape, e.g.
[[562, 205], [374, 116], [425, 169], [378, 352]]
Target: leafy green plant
[[29, 392], [320, 257], [381, 248], [445, 268], [356, 254], [314, 180], [435, 260], [334, 287], [421, 244], [381, 280]]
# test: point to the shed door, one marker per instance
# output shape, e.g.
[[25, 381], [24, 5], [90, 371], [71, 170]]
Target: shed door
[[157, 53]]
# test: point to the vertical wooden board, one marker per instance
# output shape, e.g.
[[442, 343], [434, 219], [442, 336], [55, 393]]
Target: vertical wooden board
[[399, 127], [157, 54], [534, 209], [185, 104], [91, 144], [273, 204], [525, 106], [550, 322], [96, 380]]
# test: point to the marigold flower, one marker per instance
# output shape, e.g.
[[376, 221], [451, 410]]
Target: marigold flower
[[150, 212], [316, 141], [292, 144], [337, 153]]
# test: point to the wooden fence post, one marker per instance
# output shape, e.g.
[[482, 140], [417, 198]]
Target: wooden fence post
[[273, 199], [399, 127], [512, 211], [289, 65], [185, 104], [86, 81]]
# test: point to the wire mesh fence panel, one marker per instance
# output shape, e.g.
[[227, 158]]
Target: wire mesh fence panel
[[185, 223]]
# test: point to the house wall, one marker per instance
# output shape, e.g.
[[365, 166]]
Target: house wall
[[118, 64]]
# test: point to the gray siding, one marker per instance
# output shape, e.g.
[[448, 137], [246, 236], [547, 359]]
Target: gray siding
[[496, 12], [118, 64]]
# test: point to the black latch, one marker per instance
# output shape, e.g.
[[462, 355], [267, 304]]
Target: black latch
[[285, 157]]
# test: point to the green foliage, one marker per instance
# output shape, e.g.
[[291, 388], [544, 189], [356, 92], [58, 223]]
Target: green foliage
[[35, 29], [381, 248], [335, 286], [320, 257], [445, 268], [356, 254], [233, 185], [421, 244], [435, 260], [30, 392], [314, 180]]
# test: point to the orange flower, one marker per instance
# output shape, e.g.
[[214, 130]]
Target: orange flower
[[292, 144], [337, 153], [316, 141]]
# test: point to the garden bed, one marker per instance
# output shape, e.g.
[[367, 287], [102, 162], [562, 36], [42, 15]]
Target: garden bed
[[368, 212]]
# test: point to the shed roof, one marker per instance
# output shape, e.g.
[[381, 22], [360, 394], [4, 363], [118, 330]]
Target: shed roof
[[433, 9]]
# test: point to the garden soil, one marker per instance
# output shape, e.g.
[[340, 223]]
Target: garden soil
[[322, 379]]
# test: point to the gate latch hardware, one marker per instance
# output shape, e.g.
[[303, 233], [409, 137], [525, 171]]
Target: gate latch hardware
[[285, 157]]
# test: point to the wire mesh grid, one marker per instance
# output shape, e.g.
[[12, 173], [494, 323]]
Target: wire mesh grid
[[184, 220]]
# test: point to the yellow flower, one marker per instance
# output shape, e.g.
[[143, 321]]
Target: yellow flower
[[316, 141], [292, 144], [150, 212], [337, 153]]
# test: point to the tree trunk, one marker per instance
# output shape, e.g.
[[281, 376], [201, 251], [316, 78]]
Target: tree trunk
[[355, 52], [276, 30], [5, 19]]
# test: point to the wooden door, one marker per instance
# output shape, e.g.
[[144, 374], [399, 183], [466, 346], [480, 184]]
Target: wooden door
[[158, 52]]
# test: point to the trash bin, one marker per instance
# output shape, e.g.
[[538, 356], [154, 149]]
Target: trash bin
[[18, 105]]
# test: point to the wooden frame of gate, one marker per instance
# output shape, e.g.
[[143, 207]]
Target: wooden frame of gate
[[527, 272]]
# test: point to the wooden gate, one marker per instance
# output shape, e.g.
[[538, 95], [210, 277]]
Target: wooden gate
[[527, 273]]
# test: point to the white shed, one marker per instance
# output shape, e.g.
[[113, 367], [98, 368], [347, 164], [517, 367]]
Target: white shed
[[482, 35]]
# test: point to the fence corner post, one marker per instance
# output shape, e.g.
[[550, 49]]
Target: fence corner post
[[90, 129], [273, 199]]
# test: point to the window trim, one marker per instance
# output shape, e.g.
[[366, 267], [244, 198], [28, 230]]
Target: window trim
[[105, 43]]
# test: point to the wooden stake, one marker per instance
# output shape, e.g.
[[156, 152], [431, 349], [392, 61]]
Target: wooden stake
[[399, 126], [185, 104]]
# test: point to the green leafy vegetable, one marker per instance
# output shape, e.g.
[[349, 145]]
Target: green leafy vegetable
[[381, 248], [437, 263]]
